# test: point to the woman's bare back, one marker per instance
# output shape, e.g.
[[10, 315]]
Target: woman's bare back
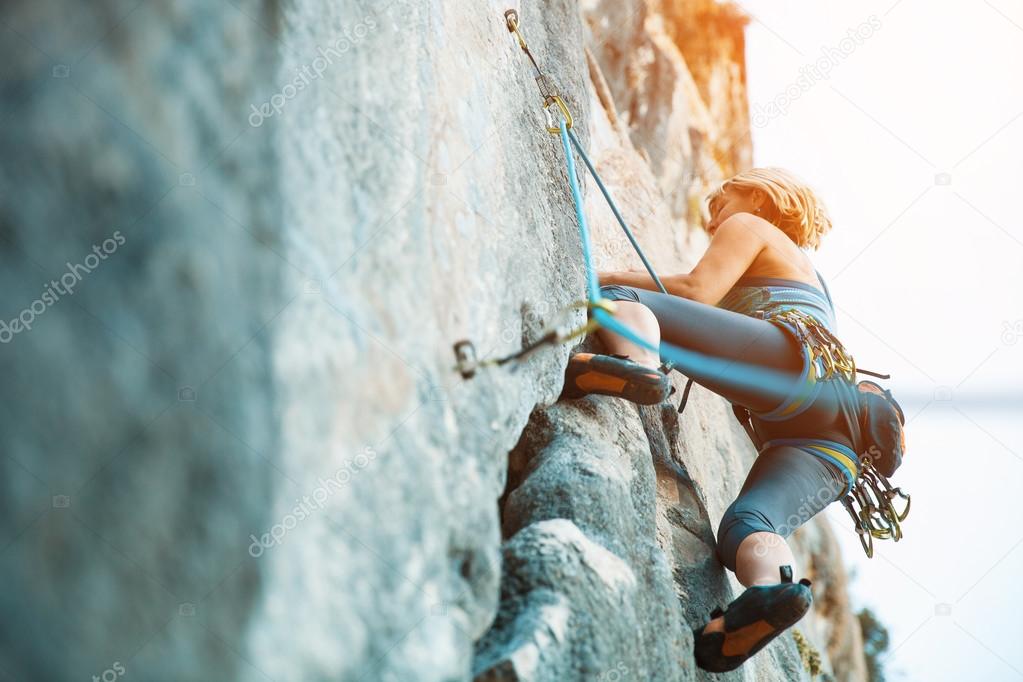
[[781, 258]]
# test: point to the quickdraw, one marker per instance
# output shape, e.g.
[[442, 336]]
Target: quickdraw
[[465, 353], [877, 517], [547, 90]]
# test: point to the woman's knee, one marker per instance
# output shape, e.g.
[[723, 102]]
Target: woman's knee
[[736, 525], [619, 292], [631, 311]]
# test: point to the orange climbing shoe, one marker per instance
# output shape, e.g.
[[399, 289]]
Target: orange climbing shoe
[[750, 622], [615, 375]]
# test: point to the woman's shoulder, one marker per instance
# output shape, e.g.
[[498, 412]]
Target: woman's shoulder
[[782, 259]]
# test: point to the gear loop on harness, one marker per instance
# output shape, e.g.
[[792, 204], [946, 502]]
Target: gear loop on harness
[[827, 354]]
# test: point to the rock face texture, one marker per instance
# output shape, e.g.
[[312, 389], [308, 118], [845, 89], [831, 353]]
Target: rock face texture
[[238, 243]]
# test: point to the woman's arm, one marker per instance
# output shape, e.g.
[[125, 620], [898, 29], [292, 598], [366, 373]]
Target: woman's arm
[[733, 248], [735, 245], [639, 279]]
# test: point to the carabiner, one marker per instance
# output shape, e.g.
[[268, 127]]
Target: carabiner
[[556, 99], [511, 20]]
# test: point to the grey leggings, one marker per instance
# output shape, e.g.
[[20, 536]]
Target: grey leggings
[[786, 486]]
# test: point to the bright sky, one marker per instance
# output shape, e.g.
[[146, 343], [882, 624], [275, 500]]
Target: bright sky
[[913, 140]]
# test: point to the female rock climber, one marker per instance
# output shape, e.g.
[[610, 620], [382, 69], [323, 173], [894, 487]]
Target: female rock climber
[[761, 223]]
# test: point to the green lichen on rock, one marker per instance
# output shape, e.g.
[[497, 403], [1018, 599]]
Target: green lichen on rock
[[808, 653]]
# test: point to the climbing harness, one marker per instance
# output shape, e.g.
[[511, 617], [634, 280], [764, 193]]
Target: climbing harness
[[827, 355], [867, 487]]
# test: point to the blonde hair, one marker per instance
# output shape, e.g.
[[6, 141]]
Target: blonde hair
[[791, 205]]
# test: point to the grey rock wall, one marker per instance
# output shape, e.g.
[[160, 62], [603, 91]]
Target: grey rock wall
[[238, 243]]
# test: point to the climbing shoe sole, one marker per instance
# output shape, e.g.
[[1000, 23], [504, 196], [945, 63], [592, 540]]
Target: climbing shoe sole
[[615, 375], [751, 621]]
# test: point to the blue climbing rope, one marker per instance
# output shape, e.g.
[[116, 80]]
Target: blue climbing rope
[[667, 366], [592, 286], [614, 209]]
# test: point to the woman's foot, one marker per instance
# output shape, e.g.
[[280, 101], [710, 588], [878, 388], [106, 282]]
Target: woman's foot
[[615, 375], [750, 622]]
